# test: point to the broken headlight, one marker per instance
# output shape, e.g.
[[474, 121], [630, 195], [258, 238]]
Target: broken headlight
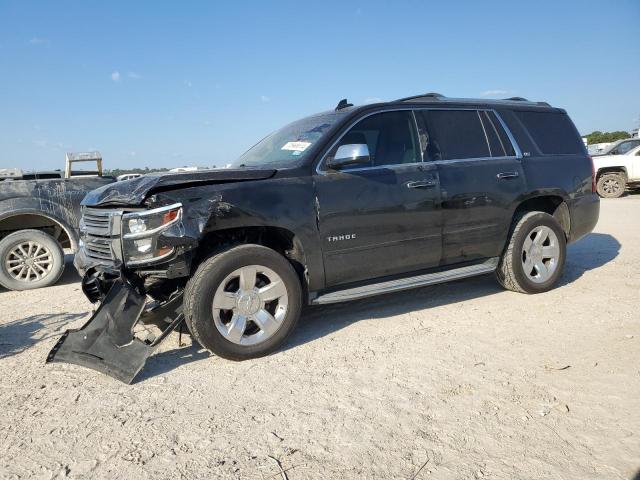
[[141, 234]]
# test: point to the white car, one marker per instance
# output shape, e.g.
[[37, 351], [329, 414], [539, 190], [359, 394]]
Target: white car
[[615, 172]]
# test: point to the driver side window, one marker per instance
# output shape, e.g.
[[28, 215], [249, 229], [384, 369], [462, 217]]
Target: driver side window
[[390, 138]]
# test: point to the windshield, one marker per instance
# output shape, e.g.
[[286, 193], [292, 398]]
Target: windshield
[[289, 145]]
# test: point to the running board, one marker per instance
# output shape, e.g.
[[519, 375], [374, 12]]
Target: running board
[[487, 266]]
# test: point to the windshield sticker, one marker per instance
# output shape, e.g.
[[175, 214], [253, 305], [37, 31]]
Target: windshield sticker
[[296, 146]]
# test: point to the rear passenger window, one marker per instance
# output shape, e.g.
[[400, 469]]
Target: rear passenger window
[[553, 132], [453, 135], [499, 143]]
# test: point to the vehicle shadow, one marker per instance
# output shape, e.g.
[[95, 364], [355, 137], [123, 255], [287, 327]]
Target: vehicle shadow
[[593, 251], [19, 335], [166, 361]]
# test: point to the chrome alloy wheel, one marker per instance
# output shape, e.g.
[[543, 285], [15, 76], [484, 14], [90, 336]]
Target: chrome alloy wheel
[[29, 262], [540, 254], [250, 305]]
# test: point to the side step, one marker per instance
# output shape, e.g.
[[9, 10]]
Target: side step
[[487, 266]]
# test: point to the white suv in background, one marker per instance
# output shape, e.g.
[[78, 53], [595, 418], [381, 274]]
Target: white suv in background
[[615, 172]]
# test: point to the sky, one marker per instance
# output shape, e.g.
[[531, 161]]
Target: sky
[[166, 84]]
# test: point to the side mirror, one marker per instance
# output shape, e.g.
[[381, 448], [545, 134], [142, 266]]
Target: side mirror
[[350, 154]]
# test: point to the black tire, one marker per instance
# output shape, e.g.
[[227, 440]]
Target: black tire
[[511, 271], [29, 280], [611, 185], [201, 288]]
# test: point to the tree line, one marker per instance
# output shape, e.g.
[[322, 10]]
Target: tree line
[[605, 137]]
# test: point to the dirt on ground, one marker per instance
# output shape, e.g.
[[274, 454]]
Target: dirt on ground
[[462, 380]]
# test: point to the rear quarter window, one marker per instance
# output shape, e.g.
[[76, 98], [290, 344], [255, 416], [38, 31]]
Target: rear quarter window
[[553, 132]]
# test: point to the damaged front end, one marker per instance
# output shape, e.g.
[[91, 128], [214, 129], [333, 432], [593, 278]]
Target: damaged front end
[[134, 265]]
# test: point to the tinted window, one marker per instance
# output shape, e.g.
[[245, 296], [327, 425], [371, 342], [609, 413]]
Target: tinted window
[[390, 137], [499, 143], [553, 132], [453, 134]]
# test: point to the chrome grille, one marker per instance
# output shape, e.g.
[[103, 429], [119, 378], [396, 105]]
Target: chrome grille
[[99, 248], [97, 222], [100, 232]]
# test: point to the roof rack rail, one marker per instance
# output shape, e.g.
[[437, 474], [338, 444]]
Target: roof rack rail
[[343, 104], [517, 99], [433, 95]]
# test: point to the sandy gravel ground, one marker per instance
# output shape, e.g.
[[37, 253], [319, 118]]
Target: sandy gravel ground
[[463, 380]]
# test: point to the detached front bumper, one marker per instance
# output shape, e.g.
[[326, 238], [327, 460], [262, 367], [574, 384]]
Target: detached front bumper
[[106, 342]]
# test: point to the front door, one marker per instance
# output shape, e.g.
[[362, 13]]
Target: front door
[[382, 218]]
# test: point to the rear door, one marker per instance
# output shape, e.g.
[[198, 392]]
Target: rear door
[[480, 176], [383, 218]]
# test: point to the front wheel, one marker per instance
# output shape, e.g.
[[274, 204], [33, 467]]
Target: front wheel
[[243, 303], [534, 259]]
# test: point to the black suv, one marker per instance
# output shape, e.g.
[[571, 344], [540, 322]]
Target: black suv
[[342, 205]]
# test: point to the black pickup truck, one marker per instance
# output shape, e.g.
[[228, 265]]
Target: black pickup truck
[[39, 217], [353, 202]]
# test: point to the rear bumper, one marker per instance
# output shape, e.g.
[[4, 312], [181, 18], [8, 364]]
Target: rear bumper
[[585, 212]]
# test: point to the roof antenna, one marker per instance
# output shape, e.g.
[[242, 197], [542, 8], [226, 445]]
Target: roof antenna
[[343, 104]]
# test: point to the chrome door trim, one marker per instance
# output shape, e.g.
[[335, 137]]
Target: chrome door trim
[[514, 144]]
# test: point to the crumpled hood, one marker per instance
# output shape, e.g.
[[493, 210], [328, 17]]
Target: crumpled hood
[[134, 192]]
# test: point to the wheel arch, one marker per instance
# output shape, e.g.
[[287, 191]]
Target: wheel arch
[[279, 239], [552, 203], [612, 169], [31, 218]]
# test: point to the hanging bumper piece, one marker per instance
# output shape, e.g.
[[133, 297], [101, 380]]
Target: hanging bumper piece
[[106, 343]]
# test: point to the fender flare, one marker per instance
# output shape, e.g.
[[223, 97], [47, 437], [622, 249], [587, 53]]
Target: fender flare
[[52, 211]]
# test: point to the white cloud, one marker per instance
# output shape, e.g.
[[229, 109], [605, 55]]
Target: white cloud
[[133, 153], [39, 41], [495, 93], [264, 99], [134, 76], [115, 76], [188, 84]]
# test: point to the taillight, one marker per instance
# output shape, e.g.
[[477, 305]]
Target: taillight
[[593, 175]]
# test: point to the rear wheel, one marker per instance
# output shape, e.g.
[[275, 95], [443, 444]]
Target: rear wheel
[[611, 185], [534, 259], [30, 259], [244, 302]]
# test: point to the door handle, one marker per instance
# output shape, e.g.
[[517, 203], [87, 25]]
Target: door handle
[[422, 184], [507, 175]]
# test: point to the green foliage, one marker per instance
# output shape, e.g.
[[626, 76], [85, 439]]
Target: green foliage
[[121, 171], [605, 137]]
